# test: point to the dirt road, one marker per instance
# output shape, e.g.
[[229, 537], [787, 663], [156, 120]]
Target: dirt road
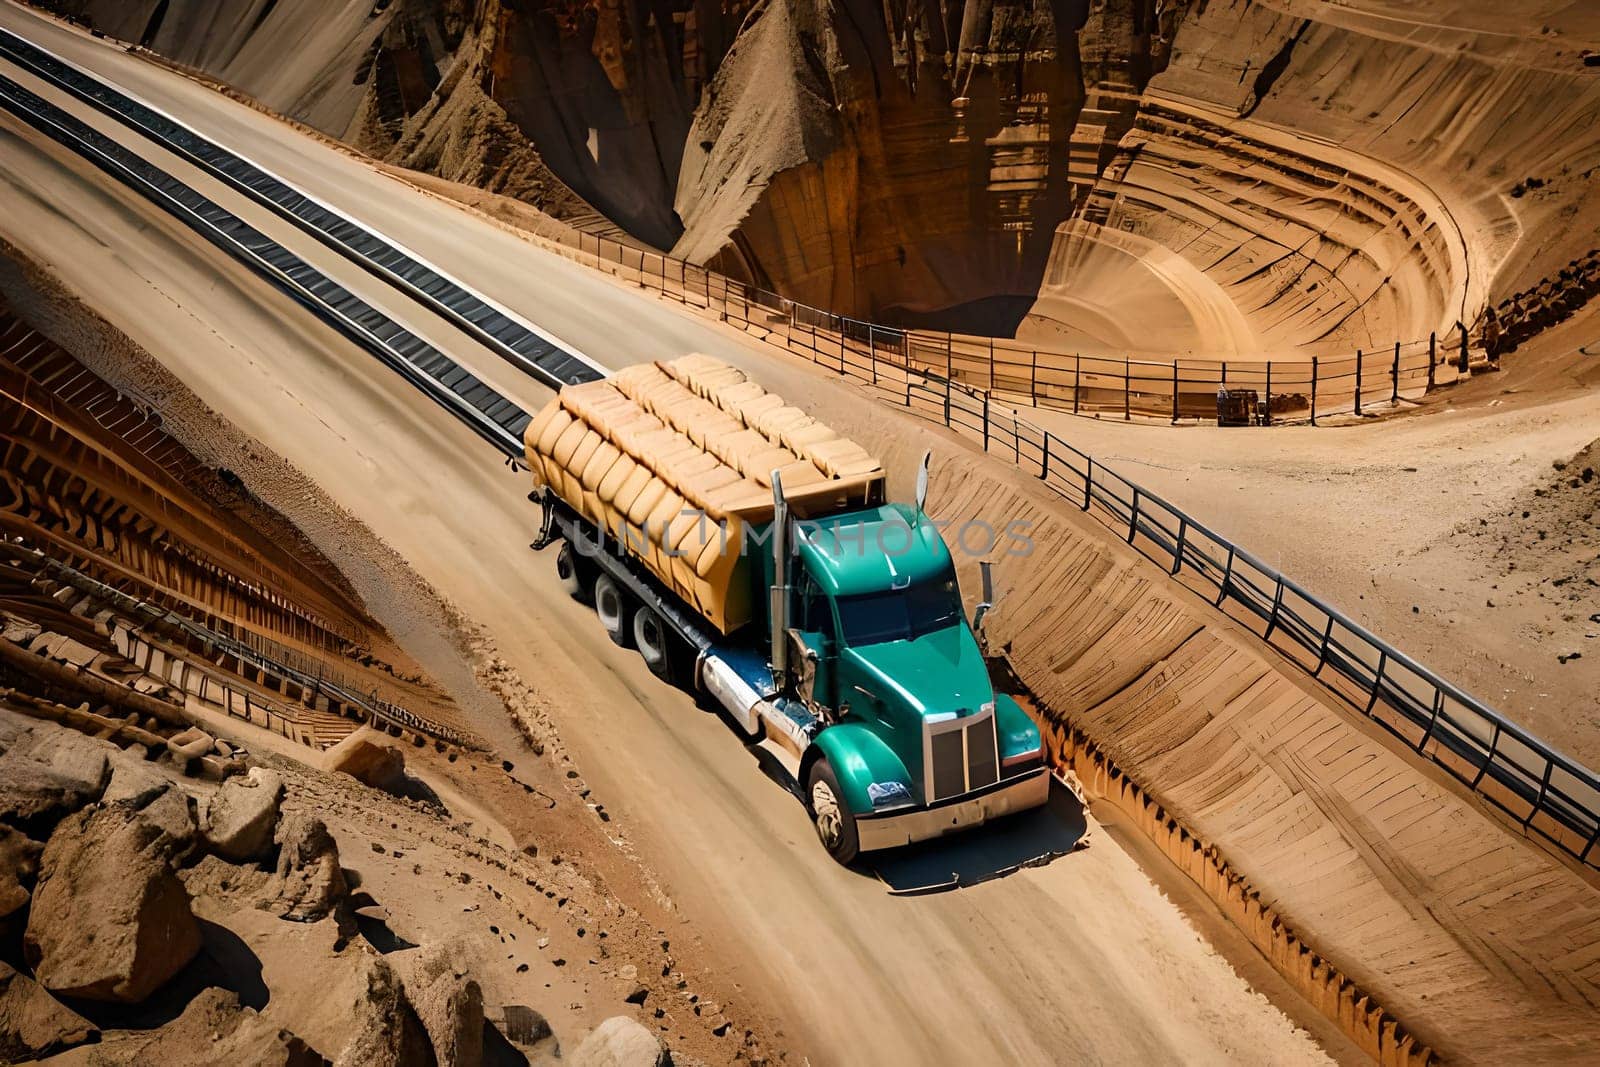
[[1081, 960]]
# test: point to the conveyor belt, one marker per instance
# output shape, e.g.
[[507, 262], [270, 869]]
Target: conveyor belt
[[497, 329], [492, 416]]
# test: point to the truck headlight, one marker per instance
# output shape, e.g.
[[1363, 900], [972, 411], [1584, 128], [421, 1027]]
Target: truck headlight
[[889, 795]]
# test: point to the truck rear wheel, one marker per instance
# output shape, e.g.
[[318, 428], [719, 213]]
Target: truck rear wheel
[[654, 643], [830, 815], [611, 604]]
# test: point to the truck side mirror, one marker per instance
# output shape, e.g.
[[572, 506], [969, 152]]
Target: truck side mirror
[[985, 569]]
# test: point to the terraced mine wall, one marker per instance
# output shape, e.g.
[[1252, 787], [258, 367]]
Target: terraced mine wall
[[138, 578]]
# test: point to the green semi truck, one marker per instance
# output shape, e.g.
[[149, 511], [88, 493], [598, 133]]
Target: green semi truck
[[747, 552]]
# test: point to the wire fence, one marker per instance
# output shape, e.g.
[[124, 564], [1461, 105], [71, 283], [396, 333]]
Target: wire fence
[[1259, 392]]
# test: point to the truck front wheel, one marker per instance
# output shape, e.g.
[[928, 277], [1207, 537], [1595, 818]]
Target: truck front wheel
[[611, 604], [830, 816], [571, 571]]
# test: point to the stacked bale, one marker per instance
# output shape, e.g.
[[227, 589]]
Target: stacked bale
[[674, 460]]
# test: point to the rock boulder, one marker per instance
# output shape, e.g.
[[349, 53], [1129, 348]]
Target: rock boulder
[[621, 1042], [156, 798], [385, 1030], [243, 815], [47, 774], [19, 866], [369, 762], [450, 1004], [32, 1022], [110, 920], [215, 1029], [309, 882], [134, 780]]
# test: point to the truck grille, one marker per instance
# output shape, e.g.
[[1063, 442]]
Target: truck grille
[[960, 756]]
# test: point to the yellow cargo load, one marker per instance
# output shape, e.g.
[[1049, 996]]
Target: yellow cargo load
[[673, 459]]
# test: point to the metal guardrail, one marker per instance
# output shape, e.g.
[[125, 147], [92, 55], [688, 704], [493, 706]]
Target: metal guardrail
[[1330, 383], [1546, 791]]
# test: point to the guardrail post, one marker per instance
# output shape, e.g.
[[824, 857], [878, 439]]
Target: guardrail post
[[1227, 580], [1377, 679], [1488, 758], [1127, 389], [1277, 605], [1033, 377], [1133, 515], [1360, 357], [1313, 390], [1544, 788], [1433, 356], [1183, 532], [986, 421], [1394, 373], [872, 353], [1322, 652], [1266, 412], [1174, 392], [1077, 378], [1044, 457], [1466, 367], [991, 363], [1433, 719], [1088, 479]]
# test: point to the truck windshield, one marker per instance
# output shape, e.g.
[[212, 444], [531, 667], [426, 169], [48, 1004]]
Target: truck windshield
[[900, 614]]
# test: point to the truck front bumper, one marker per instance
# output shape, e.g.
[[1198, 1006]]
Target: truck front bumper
[[896, 828]]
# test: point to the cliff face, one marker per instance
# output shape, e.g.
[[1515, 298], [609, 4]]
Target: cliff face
[[923, 163], [1234, 177], [882, 157]]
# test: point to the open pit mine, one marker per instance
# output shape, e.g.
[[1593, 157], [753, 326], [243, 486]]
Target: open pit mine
[[624, 534]]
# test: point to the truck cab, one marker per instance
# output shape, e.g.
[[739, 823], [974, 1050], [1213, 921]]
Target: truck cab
[[915, 741]]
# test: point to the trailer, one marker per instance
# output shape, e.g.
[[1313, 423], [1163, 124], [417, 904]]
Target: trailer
[[748, 552]]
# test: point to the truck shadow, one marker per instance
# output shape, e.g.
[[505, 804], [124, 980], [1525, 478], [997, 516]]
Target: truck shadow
[[1030, 839]]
